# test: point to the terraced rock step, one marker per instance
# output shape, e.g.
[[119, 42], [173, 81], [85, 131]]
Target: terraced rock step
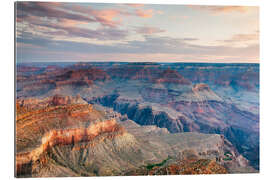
[[67, 137]]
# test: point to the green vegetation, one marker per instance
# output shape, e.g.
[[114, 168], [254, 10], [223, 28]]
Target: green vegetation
[[150, 166], [227, 159], [228, 156]]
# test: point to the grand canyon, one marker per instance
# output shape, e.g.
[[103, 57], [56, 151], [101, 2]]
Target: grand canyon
[[140, 118], [126, 89]]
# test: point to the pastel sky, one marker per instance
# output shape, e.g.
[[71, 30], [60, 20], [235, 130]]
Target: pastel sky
[[136, 32]]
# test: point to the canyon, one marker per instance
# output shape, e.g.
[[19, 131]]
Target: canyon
[[88, 119]]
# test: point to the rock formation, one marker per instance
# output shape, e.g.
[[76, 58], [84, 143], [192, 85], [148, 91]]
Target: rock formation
[[58, 134], [165, 99]]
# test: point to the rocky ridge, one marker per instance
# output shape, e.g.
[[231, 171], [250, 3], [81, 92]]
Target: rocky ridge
[[79, 140]]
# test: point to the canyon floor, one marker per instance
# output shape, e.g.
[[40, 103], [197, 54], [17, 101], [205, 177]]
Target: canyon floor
[[103, 119]]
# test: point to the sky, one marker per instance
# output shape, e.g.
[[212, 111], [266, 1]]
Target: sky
[[63, 32]]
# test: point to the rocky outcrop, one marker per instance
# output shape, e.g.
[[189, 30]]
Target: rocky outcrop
[[247, 80], [65, 100], [58, 136], [74, 77], [23, 70], [150, 72], [171, 76], [133, 71], [43, 124], [205, 116], [35, 117], [200, 87], [81, 77], [56, 100], [66, 137], [143, 115], [52, 68], [189, 148]]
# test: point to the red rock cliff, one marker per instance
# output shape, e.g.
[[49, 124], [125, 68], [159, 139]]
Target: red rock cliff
[[67, 137]]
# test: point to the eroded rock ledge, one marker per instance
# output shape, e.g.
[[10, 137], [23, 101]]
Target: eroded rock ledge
[[67, 137]]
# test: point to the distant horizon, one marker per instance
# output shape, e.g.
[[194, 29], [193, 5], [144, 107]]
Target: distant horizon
[[136, 62]]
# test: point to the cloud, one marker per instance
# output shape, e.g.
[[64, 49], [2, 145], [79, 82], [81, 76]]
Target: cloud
[[106, 17], [64, 20], [135, 5], [155, 44], [148, 13], [42, 9], [225, 9], [75, 14], [148, 50], [151, 45], [148, 30], [190, 39], [160, 12], [99, 34], [58, 20], [59, 30], [243, 38]]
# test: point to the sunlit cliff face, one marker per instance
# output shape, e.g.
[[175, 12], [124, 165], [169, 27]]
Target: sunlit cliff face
[[68, 137], [42, 124]]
